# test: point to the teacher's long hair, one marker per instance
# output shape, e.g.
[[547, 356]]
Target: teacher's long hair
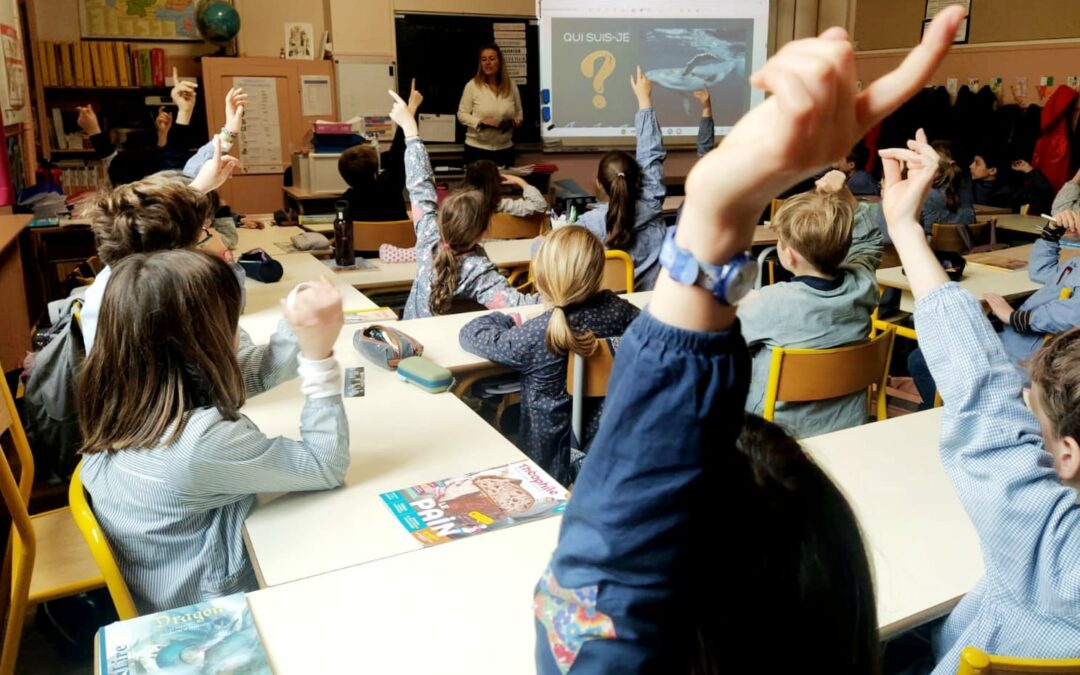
[[503, 82]]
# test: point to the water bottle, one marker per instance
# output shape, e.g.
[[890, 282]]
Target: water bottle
[[344, 253]]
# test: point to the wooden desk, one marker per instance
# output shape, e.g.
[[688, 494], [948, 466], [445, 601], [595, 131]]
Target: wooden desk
[[1014, 222], [920, 540], [672, 204], [987, 210], [439, 334], [17, 323], [299, 196], [1018, 254], [978, 279], [266, 238], [51, 247], [765, 235]]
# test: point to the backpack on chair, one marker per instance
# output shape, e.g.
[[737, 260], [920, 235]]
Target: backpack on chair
[[52, 418]]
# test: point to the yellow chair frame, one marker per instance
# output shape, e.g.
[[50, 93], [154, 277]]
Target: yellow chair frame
[[620, 281], [848, 364], [974, 661], [40, 543], [99, 547]]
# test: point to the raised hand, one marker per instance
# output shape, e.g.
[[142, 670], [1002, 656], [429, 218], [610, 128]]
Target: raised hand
[[902, 198], [88, 120], [183, 94], [403, 117], [313, 310], [833, 181], [163, 122], [642, 87], [415, 98], [706, 101], [235, 101], [216, 171]]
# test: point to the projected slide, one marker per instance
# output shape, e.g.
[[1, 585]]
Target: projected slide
[[587, 63]]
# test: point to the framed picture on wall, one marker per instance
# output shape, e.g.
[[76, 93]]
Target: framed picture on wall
[[146, 20], [299, 41], [935, 6]]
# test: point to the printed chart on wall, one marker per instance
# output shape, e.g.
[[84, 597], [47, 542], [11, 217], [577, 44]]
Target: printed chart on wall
[[935, 6], [135, 19], [511, 40], [589, 51], [260, 135]]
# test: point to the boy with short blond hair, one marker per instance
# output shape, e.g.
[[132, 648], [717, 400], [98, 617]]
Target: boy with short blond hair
[[831, 245]]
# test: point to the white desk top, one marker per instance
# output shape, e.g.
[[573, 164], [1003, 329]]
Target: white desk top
[[923, 548], [265, 239], [399, 436], [439, 334], [506, 253], [263, 310], [978, 279]]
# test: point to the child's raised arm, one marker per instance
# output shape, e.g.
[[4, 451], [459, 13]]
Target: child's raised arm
[[419, 178], [706, 135], [813, 117], [650, 144]]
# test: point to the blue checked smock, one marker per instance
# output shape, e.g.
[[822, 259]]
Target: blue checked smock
[[1028, 604]]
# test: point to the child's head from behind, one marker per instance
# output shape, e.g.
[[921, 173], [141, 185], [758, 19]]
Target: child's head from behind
[[1055, 399], [483, 174], [949, 174], [463, 217], [620, 179], [158, 213], [569, 268], [166, 344], [358, 166], [815, 229], [802, 570]]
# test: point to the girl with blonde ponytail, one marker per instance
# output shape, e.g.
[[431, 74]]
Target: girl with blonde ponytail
[[568, 268], [631, 219], [450, 263]]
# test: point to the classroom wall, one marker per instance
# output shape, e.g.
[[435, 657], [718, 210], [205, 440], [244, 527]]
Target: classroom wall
[[888, 24], [1031, 61], [262, 23]]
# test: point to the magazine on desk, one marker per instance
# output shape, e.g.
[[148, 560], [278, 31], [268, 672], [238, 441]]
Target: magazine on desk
[[478, 502], [216, 636]]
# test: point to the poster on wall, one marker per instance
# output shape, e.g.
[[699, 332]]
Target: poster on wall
[[138, 19], [13, 87], [935, 6]]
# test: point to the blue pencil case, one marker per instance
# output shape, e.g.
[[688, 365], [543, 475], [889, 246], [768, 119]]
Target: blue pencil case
[[426, 374]]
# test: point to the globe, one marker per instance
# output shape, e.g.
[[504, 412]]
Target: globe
[[217, 21]]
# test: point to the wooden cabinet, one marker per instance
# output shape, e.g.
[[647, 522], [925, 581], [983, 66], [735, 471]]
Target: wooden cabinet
[[15, 329]]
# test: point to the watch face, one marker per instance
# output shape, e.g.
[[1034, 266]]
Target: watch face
[[742, 282]]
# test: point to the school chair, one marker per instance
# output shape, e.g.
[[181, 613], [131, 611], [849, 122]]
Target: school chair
[[766, 265], [802, 375], [506, 226], [948, 238], [974, 661], [587, 377], [370, 235], [45, 558], [774, 206], [1065, 294], [618, 272], [87, 523]]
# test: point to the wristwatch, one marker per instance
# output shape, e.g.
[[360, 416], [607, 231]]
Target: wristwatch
[[728, 283]]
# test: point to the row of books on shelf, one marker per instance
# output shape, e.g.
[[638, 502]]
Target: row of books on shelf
[[100, 64]]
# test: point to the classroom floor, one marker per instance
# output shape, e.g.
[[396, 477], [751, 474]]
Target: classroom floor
[[37, 657]]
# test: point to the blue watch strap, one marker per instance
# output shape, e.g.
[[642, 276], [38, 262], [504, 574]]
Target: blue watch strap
[[728, 282]]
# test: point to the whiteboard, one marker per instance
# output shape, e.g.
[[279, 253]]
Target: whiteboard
[[362, 84]]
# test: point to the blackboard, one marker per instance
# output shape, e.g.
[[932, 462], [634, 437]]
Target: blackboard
[[442, 51]]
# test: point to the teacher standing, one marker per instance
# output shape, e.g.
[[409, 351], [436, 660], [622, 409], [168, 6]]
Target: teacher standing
[[490, 109]]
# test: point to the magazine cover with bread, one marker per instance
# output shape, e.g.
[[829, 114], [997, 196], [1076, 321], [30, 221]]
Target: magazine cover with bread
[[478, 502], [212, 638]]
